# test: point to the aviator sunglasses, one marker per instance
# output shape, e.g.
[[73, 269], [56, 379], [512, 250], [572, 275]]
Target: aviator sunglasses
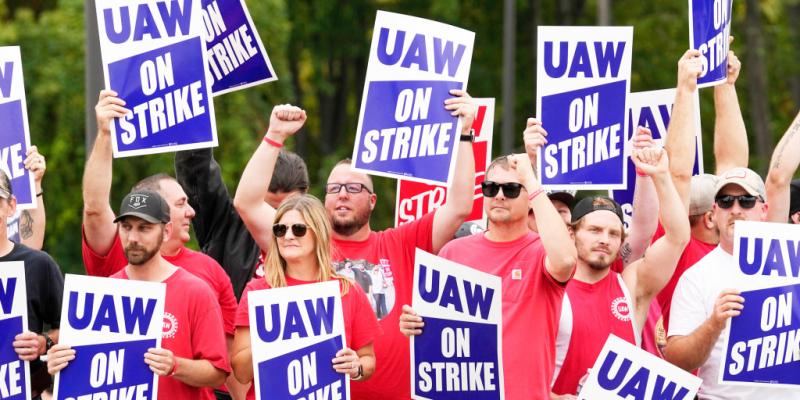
[[510, 189], [726, 201], [298, 230]]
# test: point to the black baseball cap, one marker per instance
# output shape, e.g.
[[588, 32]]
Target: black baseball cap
[[794, 191], [146, 205], [595, 203]]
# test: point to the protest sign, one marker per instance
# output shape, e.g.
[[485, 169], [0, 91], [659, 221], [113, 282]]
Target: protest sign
[[154, 57], [15, 375], [416, 199], [763, 347], [709, 29], [110, 323], [404, 131], [652, 109], [582, 83], [459, 353], [236, 57], [15, 138], [624, 371], [295, 332]]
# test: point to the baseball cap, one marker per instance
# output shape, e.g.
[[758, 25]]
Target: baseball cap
[[794, 190], [744, 177], [595, 203], [565, 196], [146, 205], [701, 194]]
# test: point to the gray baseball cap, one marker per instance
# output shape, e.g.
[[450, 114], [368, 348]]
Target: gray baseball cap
[[748, 179]]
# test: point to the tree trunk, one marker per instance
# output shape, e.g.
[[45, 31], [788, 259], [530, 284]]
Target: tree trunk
[[757, 85], [793, 17], [604, 12]]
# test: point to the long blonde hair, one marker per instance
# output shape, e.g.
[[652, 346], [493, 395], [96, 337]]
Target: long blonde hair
[[316, 218]]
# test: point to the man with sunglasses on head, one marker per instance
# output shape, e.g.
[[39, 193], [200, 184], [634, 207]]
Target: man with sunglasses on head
[[707, 294]]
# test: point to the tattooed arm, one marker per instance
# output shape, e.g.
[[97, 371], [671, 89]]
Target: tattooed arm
[[782, 167]]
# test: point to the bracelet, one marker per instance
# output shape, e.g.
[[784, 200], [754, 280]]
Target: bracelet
[[174, 368], [535, 193], [640, 173], [40, 194], [272, 142]]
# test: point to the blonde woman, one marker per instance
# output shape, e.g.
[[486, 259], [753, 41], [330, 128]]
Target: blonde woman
[[299, 253]]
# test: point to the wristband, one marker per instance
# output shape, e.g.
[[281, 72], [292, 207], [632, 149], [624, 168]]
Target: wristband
[[641, 173], [535, 193], [40, 194], [272, 143], [174, 368]]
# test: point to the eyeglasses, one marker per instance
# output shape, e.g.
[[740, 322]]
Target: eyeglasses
[[335, 188], [510, 189], [746, 201], [298, 230]]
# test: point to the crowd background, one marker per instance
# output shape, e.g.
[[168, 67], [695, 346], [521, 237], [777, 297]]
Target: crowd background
[[319, 51]]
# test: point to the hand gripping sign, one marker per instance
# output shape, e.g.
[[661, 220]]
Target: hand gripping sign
[[110, 323], [582, 82], [236, 57], [763, 347], [154, 58], [623, 371], [404, 131], [15, 376], [709, 29], [416, 199], [652, 110], [460, 351], [15, 138], [295, 332]]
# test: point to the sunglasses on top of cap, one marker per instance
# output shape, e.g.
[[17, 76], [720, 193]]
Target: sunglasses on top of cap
[[335, 188], [298, 230], [746, 201], [511, 190]]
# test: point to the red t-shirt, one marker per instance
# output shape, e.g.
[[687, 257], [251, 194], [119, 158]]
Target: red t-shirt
[[360, 325], [694, 251], [192, 322], [383, 265], [595, 311], [198, 264], [531, 306]]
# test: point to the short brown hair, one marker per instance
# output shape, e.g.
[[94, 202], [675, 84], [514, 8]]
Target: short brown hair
[[290, 174]]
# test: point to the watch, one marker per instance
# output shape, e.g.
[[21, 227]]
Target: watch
[[48, 342], [469, 137]]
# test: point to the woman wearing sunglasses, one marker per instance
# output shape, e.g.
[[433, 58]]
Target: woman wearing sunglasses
[[300, 253]]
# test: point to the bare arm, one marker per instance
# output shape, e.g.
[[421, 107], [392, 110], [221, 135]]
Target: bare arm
[[460, 194], [98, 217], [680, 141], [784, 163], [197, 373], [730, 136], [242, 355], [32, 222], [645, 205], [249, 202]]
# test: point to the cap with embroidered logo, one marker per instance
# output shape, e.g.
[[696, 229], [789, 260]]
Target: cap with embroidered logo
[[146, 205], [746, 178]]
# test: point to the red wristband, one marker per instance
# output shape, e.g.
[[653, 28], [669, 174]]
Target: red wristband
[[640, 172], [535, 193], [272, 142]]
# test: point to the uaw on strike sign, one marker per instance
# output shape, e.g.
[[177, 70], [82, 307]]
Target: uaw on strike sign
[[15, 379], [110, 323], [404, 131], [154, 57]]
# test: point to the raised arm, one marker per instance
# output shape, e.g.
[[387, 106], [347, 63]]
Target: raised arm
[[680, 141], [645, 205], [199, 175], [730, 136], [256, 214], [98, 217], [460, 194], [32, 222], [784, 163]]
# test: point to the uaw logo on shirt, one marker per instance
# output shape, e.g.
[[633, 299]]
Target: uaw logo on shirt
[[138, 201], [621, 309], [170, 326], [376, 281]]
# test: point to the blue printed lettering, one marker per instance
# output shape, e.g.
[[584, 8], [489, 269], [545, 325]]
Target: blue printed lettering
[[773, 261], [137, 314], [6, 77], [636, 386], [7, 289], [173, 18], [639, 384], [478, 299], [110, 311], [601, 60], [319, 313], [668, 392], [447, 55]]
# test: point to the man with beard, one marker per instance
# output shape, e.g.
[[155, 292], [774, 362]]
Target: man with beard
[[707, 294], [192, 354], [599, 301], [349, 199]]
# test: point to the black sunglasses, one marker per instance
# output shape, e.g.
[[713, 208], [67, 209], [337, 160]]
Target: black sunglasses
[[335, 188], [510, 189], [746, 201], [298, 230]]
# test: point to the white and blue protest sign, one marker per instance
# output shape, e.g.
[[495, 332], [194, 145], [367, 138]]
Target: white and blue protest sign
[[295, 332], [709, 29], [460, 351], [404, 131], [154, 57], [582, 85], [15, 138], [652, 110], [763, 347], [236, 56], [624, 371], [110, 323], [15, 375]]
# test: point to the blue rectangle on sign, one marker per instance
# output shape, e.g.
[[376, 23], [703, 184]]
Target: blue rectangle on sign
[[13, 150], [13, 368], [470, 369], [303, 373], [710, 30], [117, 368]]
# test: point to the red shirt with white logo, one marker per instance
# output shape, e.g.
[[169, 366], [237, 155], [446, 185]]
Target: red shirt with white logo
[[591, 312], [192, 330]]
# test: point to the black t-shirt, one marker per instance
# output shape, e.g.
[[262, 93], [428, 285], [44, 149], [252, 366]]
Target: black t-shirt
[[44, 284]]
